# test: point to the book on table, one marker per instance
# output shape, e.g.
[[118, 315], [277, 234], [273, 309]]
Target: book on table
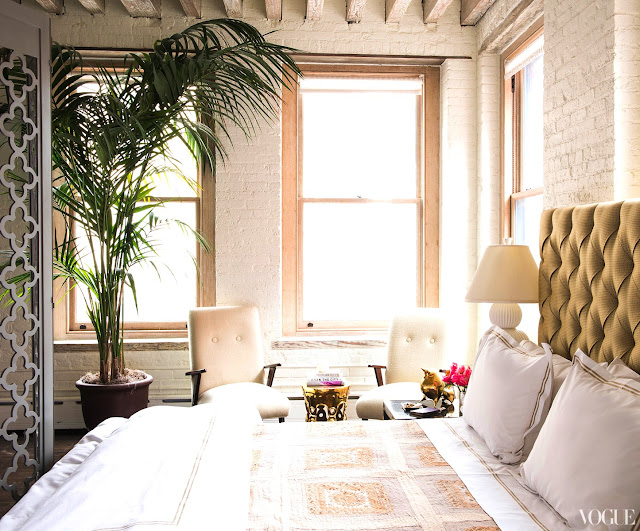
[[326, 379], [426, 412]]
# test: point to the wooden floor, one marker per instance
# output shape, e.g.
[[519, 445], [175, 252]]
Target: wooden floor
[[64, 441]]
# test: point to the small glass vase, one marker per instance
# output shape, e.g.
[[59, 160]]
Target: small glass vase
[[461, 394]]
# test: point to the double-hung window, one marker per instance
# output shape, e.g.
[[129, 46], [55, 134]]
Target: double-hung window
[[170, 287], [359, 234], [524, 142]]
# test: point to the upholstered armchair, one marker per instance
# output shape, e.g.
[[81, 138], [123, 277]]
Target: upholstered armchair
[[415, 342], [227, 361]]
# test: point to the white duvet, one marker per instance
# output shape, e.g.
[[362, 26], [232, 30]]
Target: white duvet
[[189, 468], [165, 467]]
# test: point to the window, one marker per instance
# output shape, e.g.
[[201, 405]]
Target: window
[[523, 142], [165, 295], [359, 235]]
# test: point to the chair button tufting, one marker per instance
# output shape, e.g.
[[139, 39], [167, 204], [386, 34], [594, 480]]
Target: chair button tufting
[[214, 339], [432, 340], [409, 339], [238, 338]]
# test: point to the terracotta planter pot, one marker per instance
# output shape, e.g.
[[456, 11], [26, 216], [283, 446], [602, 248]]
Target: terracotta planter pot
[[99, 402]]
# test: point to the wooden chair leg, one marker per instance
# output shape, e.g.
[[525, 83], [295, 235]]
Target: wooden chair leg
[[281, 420]]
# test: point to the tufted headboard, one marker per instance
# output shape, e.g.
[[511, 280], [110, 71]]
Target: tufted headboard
[[589, 281]]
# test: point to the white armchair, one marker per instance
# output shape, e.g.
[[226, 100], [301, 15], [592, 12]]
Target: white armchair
[[416, 342], [227, 361]]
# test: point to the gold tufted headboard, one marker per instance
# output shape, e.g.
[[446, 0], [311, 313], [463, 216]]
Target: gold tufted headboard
[[589, 281]]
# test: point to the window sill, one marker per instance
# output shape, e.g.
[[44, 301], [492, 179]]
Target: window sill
[[91, 345], [328, 342]]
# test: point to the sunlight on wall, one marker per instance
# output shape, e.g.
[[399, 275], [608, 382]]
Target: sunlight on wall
[[458, 208], [626, 67]]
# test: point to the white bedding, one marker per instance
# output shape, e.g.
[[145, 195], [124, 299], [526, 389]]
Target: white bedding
[[189, 468], [496, 486], [165, 467]]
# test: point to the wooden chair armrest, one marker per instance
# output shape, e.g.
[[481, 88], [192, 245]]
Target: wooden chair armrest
[[272, 372], [378, 371], [195, 384]]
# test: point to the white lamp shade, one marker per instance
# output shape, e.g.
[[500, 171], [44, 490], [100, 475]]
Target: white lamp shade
[[507, 273]]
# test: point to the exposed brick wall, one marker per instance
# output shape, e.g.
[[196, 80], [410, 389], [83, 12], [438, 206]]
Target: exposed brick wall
[[578, 102], [488, 85], [626, 66], [248, 202], [458, 195]]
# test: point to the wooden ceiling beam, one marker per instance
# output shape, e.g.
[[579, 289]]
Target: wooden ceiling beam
[[472, 10], [395, 9], [314, 9], [355, 9], [191, 8], [95, 7], [52, 6], [233, 8], [434, 9], [274, 9], [142, 8]]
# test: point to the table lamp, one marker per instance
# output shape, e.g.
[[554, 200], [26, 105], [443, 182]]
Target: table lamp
[[507, 275]]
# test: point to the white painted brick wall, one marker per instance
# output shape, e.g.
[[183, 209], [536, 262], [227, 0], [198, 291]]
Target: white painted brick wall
[[578, 102], [627, 98], [248, 203], [458, 196], [488, 154]]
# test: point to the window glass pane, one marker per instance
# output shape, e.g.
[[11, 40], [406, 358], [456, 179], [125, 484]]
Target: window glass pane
[[361, 139], [168, 183], [527, 223], [169, 294], [360, 260], [532, 126]]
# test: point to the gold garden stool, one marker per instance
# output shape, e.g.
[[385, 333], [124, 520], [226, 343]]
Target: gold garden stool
[[326, 403]]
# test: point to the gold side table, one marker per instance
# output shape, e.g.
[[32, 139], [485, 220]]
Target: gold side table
[[326, 403]]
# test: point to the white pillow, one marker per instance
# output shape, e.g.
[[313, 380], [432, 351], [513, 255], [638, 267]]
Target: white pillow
[[509, 393], [586, 460], [561, 367], [619, 369]]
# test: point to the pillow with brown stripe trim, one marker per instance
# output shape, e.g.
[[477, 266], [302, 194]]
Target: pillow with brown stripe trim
[[586, 460], [509, 393]]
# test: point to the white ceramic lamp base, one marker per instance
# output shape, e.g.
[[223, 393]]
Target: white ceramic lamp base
[[507, 316]]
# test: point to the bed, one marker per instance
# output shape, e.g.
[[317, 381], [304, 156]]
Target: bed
[[209, 467]]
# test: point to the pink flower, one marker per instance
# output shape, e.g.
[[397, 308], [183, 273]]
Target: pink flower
[[458, 375], [448, 379], [463, 379]]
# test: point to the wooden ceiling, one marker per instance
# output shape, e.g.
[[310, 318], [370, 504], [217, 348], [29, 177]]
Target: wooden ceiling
[[470, 10]]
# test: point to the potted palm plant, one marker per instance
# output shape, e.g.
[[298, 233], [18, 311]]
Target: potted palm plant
[[108, 144]]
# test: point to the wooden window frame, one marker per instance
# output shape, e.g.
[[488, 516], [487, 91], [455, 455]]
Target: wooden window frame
[[511, 96], [428, 200], [64, 324]]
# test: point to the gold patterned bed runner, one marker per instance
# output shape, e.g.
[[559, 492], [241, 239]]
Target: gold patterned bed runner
[[356, 476]]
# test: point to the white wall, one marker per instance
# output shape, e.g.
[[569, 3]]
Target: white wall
[[248, 194], [592, 145], [578, 102], [592, 101], [626, 71]]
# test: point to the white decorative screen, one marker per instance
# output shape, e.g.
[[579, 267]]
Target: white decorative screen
[[25, 249]]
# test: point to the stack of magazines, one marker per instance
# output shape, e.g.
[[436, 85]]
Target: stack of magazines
[[325, 379]]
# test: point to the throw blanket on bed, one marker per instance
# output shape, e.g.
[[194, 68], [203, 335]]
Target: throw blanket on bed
[[356, 476]]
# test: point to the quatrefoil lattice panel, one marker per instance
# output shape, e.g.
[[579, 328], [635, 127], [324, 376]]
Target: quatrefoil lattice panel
[[20, 276]]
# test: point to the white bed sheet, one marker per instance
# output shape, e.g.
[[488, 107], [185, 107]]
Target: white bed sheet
[[496, 486], [195, 463]]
